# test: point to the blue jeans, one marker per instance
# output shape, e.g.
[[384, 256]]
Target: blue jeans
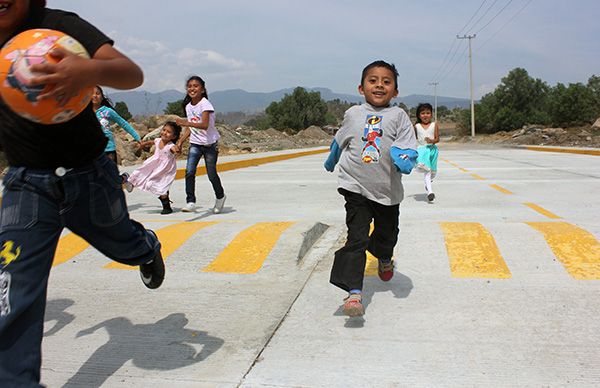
[[211, 153], [36, 206]]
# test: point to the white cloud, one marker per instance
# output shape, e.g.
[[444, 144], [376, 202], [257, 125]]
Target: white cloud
[[166, 68]]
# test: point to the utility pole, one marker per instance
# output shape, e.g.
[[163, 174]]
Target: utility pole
[[470, 81], [435, 84]]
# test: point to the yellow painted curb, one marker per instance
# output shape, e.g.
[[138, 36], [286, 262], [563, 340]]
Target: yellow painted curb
[[564, 150], [226, 166]]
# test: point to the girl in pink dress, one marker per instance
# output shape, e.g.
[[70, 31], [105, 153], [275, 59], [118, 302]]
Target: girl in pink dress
[[158, 172]]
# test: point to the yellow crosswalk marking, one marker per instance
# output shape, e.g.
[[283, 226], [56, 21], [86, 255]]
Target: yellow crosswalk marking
[[541, 210], [473, 252], [501, 189], [68, 247], [478, 177], [577, 249], [247, 252], [171, 238]]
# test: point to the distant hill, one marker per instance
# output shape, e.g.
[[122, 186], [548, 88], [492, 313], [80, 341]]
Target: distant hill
[[238, 100]]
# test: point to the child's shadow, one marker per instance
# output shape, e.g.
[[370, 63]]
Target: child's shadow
[[209, 212], [56, 311], [164, 345], [400, 285]]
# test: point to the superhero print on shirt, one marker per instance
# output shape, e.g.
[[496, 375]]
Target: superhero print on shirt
[[372, 138]]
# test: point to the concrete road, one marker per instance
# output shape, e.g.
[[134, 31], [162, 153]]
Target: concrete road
[[497, 284]]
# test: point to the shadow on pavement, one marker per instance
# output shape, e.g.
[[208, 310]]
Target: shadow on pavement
[[400, 285], [164, 345], [56, 311]]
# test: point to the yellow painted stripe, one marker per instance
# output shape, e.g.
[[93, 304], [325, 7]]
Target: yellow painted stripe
[[501, 189], [463, 169], [68, 247], [226, 166], [541, 210], [478, 177], [249, 249], [564, 150], [576, 248], [171, 238], [473, 252]]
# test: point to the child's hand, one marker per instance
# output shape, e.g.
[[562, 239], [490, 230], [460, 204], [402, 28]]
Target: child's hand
[[429, 140], [176, 149], [180, 121], [68, 76]]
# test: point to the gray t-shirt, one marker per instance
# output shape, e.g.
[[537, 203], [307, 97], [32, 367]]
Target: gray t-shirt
[[365, 138]]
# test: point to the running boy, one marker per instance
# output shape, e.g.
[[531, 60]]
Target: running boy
[[59, 177], [375, 145]]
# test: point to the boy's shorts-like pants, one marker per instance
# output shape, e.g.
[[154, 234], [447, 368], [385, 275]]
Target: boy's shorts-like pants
[[349, 262], [36, 206]]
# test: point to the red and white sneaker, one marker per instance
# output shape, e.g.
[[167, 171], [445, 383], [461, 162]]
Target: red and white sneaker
[[353, 306], [385, 270]]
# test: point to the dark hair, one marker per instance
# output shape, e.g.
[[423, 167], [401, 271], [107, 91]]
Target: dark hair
[[105, 100], [187, 98], [176, 129], [384, 64], [421, 107], [38, 3]]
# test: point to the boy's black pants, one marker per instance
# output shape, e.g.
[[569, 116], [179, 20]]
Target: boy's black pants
[[349, 263]]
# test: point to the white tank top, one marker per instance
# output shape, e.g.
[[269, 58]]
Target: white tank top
[[422, 133]]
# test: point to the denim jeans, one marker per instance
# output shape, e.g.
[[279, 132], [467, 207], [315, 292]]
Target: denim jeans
[[210, 153], [36, 206], [349, 262]]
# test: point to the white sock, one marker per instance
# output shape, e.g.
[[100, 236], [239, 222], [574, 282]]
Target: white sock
[[427, 179]]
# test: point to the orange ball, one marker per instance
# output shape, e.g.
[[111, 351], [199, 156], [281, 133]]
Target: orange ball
[[29, 48]]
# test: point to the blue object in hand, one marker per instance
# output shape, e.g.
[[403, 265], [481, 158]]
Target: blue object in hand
[[334, 156], [404, 159]]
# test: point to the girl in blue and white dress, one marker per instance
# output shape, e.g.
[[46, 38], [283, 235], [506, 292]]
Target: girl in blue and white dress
[[428, 134]]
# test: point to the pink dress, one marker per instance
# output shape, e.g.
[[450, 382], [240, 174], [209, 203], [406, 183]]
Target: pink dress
[[158, 172]]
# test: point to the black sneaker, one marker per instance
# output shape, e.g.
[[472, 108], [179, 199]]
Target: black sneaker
[[430, 197], [153, 272]]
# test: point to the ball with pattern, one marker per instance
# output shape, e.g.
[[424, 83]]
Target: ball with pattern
[[17, 55]]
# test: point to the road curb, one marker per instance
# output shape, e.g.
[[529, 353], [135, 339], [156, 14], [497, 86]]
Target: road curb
[[226, 166], [568, 150]]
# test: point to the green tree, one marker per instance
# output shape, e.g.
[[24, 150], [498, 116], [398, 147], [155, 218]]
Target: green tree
[[594, 85], [174, 108], [518, 100], [572, 105], [298, 110], [122, 110]]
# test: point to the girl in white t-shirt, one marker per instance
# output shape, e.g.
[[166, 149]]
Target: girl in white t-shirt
[[428, 134], [204, 141]]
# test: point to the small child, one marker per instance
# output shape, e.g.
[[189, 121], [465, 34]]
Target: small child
[[428, 134], [375, 145], [158, 172]]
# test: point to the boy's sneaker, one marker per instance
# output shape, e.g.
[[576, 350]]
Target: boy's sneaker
[[353, 306], [385, 270], [430, 197], [190, 207], [128, 185], [219, 205], [153, 272]]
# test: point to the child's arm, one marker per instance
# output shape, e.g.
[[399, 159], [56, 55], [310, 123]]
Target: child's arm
[[107, 67], [334, 156], [201, 125], [146, 144], [403, 151], [115, 118]]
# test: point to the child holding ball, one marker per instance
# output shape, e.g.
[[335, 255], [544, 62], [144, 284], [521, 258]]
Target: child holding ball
[[59, 177]]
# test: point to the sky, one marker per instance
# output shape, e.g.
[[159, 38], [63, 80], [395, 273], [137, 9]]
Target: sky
[[268, 45]]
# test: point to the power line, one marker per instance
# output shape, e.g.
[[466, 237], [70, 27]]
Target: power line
[[451, 70], [505, 24], [441, 69], [485, 13], [495, 16]]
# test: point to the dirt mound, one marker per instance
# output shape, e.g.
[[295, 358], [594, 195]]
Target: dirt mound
[[313, 132]]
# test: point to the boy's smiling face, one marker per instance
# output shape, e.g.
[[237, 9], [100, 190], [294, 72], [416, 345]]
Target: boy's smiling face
[[12, 14], [378, 86]]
